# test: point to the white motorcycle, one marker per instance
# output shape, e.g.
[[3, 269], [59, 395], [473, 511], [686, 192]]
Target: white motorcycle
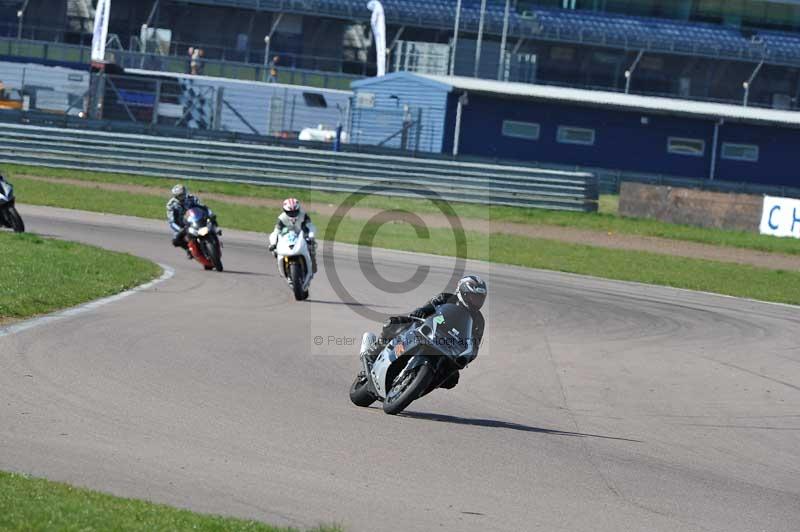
[[294, 261], [9, 216]]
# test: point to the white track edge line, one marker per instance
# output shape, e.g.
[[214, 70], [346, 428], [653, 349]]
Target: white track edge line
[[168, 274]]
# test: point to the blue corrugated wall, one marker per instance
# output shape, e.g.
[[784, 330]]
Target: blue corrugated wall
[[626, 140], [371, 125]]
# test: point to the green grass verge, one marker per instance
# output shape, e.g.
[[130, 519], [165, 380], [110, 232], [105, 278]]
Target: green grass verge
[[35, 504], [606, 220], [42, 275], [723, 278]]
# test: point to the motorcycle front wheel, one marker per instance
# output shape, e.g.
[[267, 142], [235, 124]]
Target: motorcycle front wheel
[[213, 253], [15, 220], [296, 276], [359, 392], [410, 388]]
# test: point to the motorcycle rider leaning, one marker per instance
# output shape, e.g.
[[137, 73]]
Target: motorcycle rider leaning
[[180, 202], [470, 293], [296, 218]]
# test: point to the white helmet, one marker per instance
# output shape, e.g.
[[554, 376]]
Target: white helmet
[[292, 208], [179, 192]]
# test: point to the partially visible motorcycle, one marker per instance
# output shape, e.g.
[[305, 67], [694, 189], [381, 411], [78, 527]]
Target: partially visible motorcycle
[[9, 217], [294, 261], [202, 234], [424, 355]]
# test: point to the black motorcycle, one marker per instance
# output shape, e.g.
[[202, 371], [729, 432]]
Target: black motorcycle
[[424, 355], [9, 217]]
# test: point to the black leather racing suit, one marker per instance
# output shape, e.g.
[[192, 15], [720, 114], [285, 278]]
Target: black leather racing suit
[[396, 324]]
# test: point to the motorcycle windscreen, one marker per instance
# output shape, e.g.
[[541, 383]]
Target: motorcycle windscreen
[[6, 191], [450, 333], [291, 237], [290, 243], [195, 216]]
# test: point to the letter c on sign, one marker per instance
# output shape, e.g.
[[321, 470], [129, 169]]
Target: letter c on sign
[[771, 212]]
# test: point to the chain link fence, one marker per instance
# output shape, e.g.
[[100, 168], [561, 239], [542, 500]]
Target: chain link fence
[[146, 99]]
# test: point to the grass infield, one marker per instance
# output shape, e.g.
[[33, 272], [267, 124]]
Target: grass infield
[[41, 275], [606, 220], [34, 504]]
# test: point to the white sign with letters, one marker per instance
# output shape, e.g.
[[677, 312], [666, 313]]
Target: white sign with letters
[[780, 217]]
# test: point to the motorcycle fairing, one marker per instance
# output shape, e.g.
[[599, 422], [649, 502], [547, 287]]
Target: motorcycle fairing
[[448, 334], [6, 193]]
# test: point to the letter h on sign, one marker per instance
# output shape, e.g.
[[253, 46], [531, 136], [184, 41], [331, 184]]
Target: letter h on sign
[[795, 219]]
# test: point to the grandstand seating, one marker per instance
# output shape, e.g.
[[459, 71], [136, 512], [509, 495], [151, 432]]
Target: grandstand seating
[[8, 11], [581, 26], [781, 47], [648, 33]]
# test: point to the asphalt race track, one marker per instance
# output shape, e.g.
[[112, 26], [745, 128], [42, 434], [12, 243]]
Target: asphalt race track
[[594, 406]]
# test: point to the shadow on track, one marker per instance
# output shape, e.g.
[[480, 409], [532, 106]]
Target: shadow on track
[[234, 272], [495, 424], [343, 303]]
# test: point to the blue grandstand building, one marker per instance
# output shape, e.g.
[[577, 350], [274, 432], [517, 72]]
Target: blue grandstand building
[[583, 128]]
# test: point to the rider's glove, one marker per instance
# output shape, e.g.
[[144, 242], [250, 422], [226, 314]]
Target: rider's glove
[[272, 247], [419, 313]]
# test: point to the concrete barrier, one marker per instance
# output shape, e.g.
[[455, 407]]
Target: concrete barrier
[[721, 210]]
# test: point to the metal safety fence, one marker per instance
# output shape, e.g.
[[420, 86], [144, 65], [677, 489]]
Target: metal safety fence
[[303, 168]]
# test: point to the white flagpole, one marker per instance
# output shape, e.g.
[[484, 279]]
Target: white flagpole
[[501, 66], [100, 34], [480, 39], [378, 23], [455, 38]]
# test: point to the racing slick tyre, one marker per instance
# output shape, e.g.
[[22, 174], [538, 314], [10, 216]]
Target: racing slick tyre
[[15, 220], [414, 384], [359, 392], [296, 275], [213, 253]]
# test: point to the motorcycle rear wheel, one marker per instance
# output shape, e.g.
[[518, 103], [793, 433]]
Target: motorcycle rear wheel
[[420, 382], [360, 394], [15, 220]]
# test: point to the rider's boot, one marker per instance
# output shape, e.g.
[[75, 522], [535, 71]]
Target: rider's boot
[[450, 382], [312, 250], [374, 350]]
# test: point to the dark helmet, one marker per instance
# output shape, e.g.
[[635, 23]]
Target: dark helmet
[[471, 292]]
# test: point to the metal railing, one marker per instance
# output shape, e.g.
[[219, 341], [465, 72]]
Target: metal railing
[[512, 185], [72, 53]]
